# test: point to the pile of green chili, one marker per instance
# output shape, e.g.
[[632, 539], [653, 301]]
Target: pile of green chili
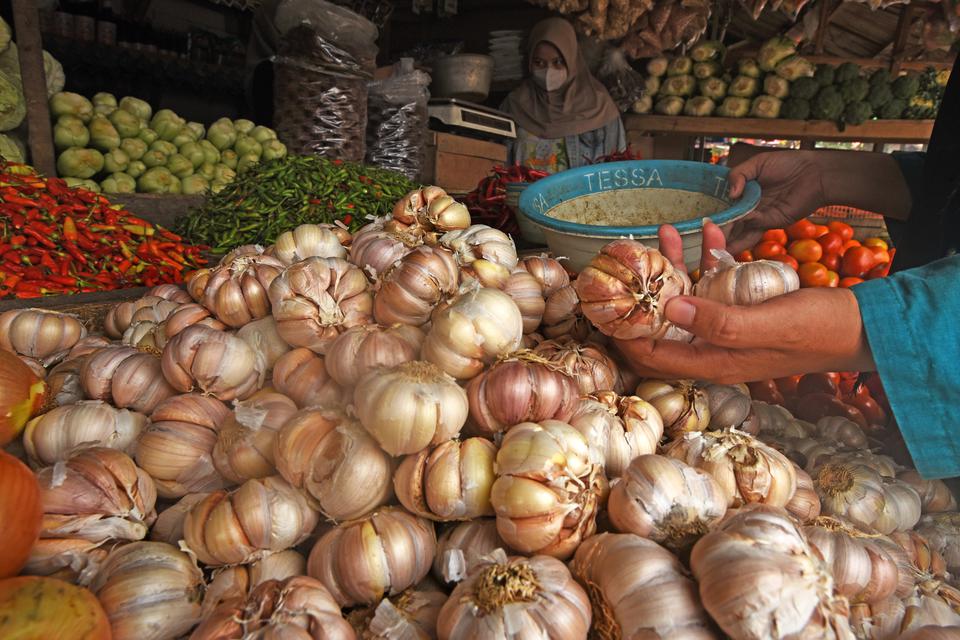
[[276, 196]]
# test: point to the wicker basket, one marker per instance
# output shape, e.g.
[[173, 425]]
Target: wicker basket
[[865, 224]]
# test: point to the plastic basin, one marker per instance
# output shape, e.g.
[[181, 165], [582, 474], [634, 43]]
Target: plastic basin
[[581, 210], [530, 231]]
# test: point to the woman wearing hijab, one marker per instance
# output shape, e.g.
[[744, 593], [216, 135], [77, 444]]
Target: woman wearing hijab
[[565, 117]]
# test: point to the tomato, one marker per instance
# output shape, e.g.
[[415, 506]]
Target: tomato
[[848, 380], [833, 279], [765, 391], [831, 243], [790, 260], [842, 229], [817, 383], [831, 262], [775, 235], [857, 261], [788, 385], [768, 250], [813, 406], [870, 408], [805, 250], [882, 256], [822, 230], [745, 256], [878, 243], [802, 230], [846, 283], [813, 274], [848, 244]]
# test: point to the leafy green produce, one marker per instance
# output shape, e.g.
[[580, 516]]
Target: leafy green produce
[[115, 161], [136, 169], [229, 158], [70, 132], [733, 107], [158, 180], [795, 109], [846, 72], [66, 103], [261, 134], [82, 183], [119, 183], [154, 158], [804, 88], [222, 134], [10, 149], [179, 165], [669, 106], [713, 88], [273, 149], [182, 138], [825, 74], [743, 87], [207, 170], [197, 129], [167, 124], [880, 94], [103, 135], [126, 124], [893, 110], [707, 50], [277, 195], [857, 113], [53, 73], [765, 107], [774, 51], [246, 161], [242, 125], [708, 69], [103, 109], [657, 67], [138, 107], [246, 145], [194, 185], [5, 35], [104, 98], [167, 148], [795, 67], [643, 104], [210, 153], [699, 106], [680, 66], [223, 173], [194, 153], [80, 163], [749, 67], [906, 86], [651, 85], [148, 135], [827, 105], [776, 86], [678, 86], [880, 76], [134, 148], [855, 90], [13, 107]]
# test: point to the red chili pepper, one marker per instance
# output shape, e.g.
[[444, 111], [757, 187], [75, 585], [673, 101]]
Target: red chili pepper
[[70, 229]]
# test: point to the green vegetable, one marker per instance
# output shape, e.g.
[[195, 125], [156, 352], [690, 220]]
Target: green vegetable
[[229, 158], [699, 106], [223, 173], [880, 94], [880, 76], [749, 67], [248, 146], [774, 51], [138, 107], [103, 109], [795, 109], [246, 161], [651, 85], [66, 103], [182, 138], [795, 67], [134, 148], [222, 134], [804, 88], [776, 86], [198, 130], [126, 124], [906, 86], [669, 106], [10, 149], [765, 107], [846, 72], [643, 104], [82, 183], [5, 35], [707, 50], [179, 165], [119, 183], [855, 90], [893, 110], [857, 113], [825, 74], [136, 169], [154, 158], [70, 132], [104, 98], [243, 125], [115, 160], [743, 87], [678, 86], [79, 163], [158, 180], [148, 135], [262, 134], [167, 124], [733, 107], [194, 153], [217, 186], [277, 195], [827, 105], [707, 69], [657, 67], [207, 170], [194, 185], [103, 135], [210, 153], [168, 148], [681, 66], [713, 88], [274, 149]]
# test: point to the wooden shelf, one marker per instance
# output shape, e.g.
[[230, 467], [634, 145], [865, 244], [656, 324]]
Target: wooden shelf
[[894, 131]]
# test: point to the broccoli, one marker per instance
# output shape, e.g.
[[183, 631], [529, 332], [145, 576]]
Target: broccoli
[[765, 107], [713, 88], [827, 105], [699, 106], [855, 90], [707, 50], [657, 67], [678, 86], [893, 110], [733, 107], [846, 72], [681, 66], [804, 88], [825, 75], [857, 113], [906, 86], [669, 106], [748, 67], [880, 94], [880, 76], [795, 109], [776, 86], [773, 51], [795, 67], [743, 87], [707, 69]]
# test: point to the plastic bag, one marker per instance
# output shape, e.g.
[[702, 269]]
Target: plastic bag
[[624, 83], [350, 32], [397, 121]]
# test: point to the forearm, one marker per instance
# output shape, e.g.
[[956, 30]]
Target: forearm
[[865, 180]]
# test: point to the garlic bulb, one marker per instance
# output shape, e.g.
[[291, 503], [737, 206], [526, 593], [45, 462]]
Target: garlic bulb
[[462, 545], [638, 589], [143, 335], [746, 283], [97, 495], [63, 382], [149, 308], [448, 482], [39, 333], [805, 503], [926, 608], [523, 387], [298, 607], [760, 579], [618, 429], [625, 288], [362, 561], [237, 582], [237, 291], [196, 282], [87, 345], [845, 432], [547, 491], [516, 598], [244, 447], [479, 242], [884, 465], [411, 615], [125, 377], [932, 632], [774, 420], [307, 241], [589, 364], [360, 350], [150, 591], [548, 272], [216, 363], [902, 507], [302, 376], [170, 292], [432, 209], [728, 405], [942, 530], [378, 246], [562, 316], [746, 469], [256, 519], [935, 495], [528, 296], [684, 406], [920, 554], [858, 494], [74, 560], [410, 407], [408, 292], [262, 336], [317, 299], [55, 434], [665, 500], [187, 315], [879, 621], [332, 459], [169, 524], [862, 570]]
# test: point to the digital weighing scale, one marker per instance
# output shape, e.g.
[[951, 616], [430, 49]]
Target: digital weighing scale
[[467, 118]]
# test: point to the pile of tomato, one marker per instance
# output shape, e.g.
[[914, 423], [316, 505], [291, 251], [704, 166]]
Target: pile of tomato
[[824, 255]]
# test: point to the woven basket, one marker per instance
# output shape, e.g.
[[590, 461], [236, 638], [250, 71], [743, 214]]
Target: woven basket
[[865, 224]]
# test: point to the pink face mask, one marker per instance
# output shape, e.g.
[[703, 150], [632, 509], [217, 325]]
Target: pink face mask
[[550, 79]]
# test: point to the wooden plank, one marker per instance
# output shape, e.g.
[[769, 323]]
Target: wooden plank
[[875, 130], [26, 20], [904, 25], [826, 12], [75, 300], [875, 63]]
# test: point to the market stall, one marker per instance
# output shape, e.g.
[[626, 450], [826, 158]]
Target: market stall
[[341, 368]]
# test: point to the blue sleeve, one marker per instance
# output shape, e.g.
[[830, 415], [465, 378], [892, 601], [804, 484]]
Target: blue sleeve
[[911, 322]]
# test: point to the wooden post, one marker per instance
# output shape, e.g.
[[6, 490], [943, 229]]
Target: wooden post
[[826, 12], [901, 37], [40, 134]]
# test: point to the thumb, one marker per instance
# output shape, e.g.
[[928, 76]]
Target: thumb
[[719, 324]]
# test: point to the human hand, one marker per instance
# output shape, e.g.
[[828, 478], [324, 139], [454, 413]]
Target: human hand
[[671, 245]]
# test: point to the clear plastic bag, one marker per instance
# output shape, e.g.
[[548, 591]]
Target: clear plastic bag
[[397, 121], [334, 24]]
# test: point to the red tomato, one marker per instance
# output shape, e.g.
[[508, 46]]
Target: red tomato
[[869, 407], [822, 230], [813, 274], [842, 229], [802, 230], [745, 256], [848, 244], [833, 279], [831, 261], [846, 283], [831, 243], [879, 243], [788, 385], [768, 250], [805, 250], [818, 383], [857, 261], [882, 256], [775, 235], [790, 260], [765, 391]]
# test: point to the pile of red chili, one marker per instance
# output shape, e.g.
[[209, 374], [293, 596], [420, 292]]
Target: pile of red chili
[[57, 240], [488, 202]]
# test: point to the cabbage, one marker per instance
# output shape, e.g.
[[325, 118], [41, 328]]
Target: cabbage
[[167, 124], [198, 130], [134, 148], [136, 169], [81, 183], [119, 183], [158, 180], [53, 72], [104, 98], [207, 170], [229, 158], [154, 158], [148, 135], [194, 153], [79, 163], [137, 107], [179, 165], [273, 150], [246, 161], [9, 148], [126, 124], [13, 108], [222, 134], [195, 185], [182, 138], [210, 153], [223, 173], [70, 132], [243, 125], [67, 103], [247, 146], [115, 161], [167, 148], [103, 135], [261, 134]]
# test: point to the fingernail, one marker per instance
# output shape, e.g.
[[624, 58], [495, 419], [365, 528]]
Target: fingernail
[[681, 312]]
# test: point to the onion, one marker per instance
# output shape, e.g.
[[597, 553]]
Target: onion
[[20, 511], [22, 394], [50, 609], [302, 376], [39, 333]]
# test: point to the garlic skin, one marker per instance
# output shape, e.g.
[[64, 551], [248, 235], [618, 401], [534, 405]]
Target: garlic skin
[[520, 388], [230, 583], [149, 308], [451, 481], [98, 494], [684, 406], [884, 465], [761, 545], [773, 420], [619, 429], [411, 615], [935, 495], [747, 470], [729, 407], [942, 530], [845, 432], [548, 272], [746, 283], [639, 589], [377, 246], [363, 561], [264, 339], [74, 560], [237, 290], [256, 519], [408, 292], [150, 591], [197, 280], [317, 299], [55, 434], [625, 288], [589, 364], [214, 362], [340, 468], [528, 296], [932, 632], [666, 501], [169, 524], [919, 554], [302, 376], [244, 449], [63, 382], [410, 407], [307, 241], [170, 292], [39, 333], [505, 597], [360, 350], [187, 315], [562, 316], [479, 242], [125, 377], [880, 621], [805, 503], [462, 545], [857, 493]]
